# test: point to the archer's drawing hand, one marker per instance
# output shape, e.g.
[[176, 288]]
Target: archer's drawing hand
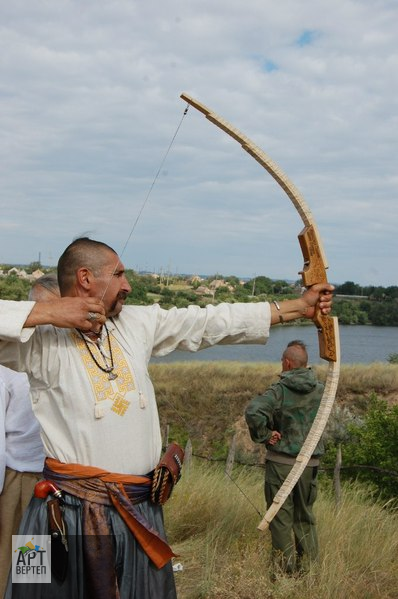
[[318, 295], [85, 313]]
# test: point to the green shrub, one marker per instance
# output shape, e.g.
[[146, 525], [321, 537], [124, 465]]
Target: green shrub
[[374, 443]]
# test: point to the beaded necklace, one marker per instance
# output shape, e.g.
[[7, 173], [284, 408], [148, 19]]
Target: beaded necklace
[[108, 368]]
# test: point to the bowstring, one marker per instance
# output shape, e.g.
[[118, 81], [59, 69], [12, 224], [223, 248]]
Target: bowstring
[[243, 493], [144, 203], [194, 430]]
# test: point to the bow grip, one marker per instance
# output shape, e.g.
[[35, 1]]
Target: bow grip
[[314, 271]]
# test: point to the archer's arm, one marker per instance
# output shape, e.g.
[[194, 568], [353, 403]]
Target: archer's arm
[[67, 312], [304, 306]]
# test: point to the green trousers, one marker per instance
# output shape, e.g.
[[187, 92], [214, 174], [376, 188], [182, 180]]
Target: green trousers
[[293, 529]]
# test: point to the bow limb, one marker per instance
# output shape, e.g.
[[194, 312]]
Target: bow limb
[[314, 271]]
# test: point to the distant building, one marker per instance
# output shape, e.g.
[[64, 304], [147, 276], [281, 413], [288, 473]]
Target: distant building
[[203, 290], [22, 274], [37, 274], [195, 279], [17, 272], [216, 283]]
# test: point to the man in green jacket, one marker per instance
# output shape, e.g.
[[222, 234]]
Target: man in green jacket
[[282, 418]]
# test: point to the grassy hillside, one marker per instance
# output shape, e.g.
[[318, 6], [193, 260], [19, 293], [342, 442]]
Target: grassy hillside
[[212, 527], [205, 401]]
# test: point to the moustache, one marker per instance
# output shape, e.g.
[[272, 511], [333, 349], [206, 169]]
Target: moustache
[[120, 296]]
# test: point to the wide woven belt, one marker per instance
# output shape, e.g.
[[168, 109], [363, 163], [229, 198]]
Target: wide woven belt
[[123, 491]]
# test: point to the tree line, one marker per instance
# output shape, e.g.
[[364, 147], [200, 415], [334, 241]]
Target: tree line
[[354, 304]]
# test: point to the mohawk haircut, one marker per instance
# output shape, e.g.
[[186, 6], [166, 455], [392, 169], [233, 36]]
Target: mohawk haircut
[[296, 352]]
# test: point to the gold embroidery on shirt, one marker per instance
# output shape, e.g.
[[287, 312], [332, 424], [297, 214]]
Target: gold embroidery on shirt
[[120, 405], [102, 387]]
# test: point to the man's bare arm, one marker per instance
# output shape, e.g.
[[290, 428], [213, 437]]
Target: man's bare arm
[[69, 312], [304, 306]]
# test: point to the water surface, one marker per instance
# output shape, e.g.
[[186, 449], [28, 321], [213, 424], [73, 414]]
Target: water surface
[[359, 344]]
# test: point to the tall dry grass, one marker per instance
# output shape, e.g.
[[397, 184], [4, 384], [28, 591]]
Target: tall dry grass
[[360, 378], [202, 380], [212, 527]]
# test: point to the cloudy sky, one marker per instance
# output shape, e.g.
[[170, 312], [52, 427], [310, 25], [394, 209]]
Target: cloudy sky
[[90, 103]]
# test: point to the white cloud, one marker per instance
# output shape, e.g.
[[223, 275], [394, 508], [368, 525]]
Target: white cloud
[[90, 101]]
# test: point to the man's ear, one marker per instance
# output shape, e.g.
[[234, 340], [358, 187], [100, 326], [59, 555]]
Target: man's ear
[[84, 277], [287, 364]]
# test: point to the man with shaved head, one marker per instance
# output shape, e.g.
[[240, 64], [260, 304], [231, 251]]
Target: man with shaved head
[[87, 356], [281, 419]]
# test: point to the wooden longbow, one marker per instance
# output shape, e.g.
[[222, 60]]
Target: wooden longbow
[[314, 271]]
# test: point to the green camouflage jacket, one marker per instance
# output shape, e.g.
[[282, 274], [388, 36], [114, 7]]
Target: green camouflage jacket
[[288, 407]]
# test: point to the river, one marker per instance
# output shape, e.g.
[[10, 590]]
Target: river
[[359, 344]]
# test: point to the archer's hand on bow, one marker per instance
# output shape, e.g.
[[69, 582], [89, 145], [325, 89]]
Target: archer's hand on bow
[[319, 295]]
